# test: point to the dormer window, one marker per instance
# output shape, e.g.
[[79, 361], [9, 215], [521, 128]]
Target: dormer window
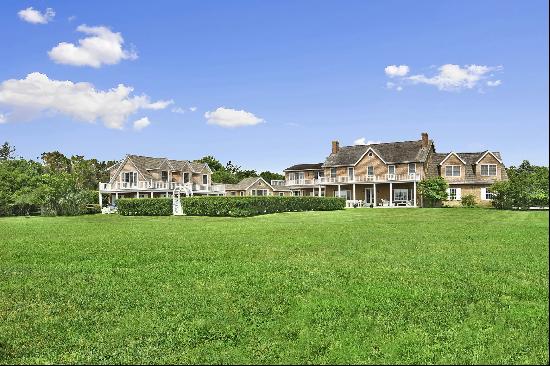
[[452, 170], [164, 176], [186, 177], [488, 170], [204, 179]]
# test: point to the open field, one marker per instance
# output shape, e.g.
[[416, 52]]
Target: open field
[[354, 286]]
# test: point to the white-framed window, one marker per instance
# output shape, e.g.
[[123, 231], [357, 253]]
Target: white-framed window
[[370, 170], [344, 193], [242, 193], [296, 193], [333, 172], [233, 193], [129, 177], [164, 176], [281, 193], [350, 173], [486, 195], [205, 179], [391, 169], [488, 170], [259, 192], [370, 154], [400, 194], [301, 176], [452, 170], [454, 194], [186, 177], [412, 168]]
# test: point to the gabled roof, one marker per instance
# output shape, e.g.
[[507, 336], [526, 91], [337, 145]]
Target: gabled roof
[[449, 155], [489, 152], [298, 167], [390, 153], [246, 183], [470, 159]]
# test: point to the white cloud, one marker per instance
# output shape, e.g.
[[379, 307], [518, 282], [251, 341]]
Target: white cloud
[[178, 110], [399, 88], [362, 141], [161, 104], [192, 109], [453, 77], [141, 123], [71, 18], [394, 70], [227, 117], [494, 83], [3, 118], [37, 94], [102, 47], [33, 16]]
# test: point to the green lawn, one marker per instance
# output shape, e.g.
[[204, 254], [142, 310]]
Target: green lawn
[[354, 286]]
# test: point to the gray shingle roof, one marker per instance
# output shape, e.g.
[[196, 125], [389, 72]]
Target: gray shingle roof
[[317, 166], [243, 184], [390, 152], [469, 158]]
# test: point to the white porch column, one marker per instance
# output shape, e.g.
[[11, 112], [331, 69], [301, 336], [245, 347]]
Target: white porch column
[[116, 196], [137, 194], [338, 190], [354, 191], [374, 194], [391, 194], [319, 191], [414, 194], [152, 195], [100, 200]]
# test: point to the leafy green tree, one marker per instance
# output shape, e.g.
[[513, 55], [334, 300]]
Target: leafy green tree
[[224, 176], [55, 161], [527, 186], [434, 190], [269, 176], [58, 194], [212, 162], [18, 179], [85, 172], [7, 151]]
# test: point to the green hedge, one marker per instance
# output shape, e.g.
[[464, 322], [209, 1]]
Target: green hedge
[[250, 206], [227, 206], [144, 206]]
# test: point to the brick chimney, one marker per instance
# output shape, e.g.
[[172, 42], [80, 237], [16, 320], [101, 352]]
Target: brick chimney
[[425, 140], [335, 147]]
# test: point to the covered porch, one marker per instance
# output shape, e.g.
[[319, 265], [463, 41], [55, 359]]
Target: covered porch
[[391, 194]]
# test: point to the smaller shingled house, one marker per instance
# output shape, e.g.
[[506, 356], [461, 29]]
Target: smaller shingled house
[[138, 176], [254, 186], [300, 179], [468, 173]]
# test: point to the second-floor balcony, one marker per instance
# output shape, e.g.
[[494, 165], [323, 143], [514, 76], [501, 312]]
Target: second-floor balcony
[[160, 186], [411, 177]]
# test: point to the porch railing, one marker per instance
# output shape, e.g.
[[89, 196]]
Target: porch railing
[[370, 178], [160, 185]]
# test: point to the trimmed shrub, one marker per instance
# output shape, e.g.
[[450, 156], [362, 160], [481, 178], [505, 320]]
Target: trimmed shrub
[[468, 200], [144, 206], [93, 209], [251, 206], [228, 206]]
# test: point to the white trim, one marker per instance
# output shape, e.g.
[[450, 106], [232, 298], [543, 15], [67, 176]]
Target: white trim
[[488, 152], [365, 153], [452, 171], [488, 170], [394, 169], [269, 185], [409, 168], [449, 155]]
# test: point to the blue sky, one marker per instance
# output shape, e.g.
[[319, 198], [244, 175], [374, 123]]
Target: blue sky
[[291, 75]]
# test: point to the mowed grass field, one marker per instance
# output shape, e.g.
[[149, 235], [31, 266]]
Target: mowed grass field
[[354, 286]]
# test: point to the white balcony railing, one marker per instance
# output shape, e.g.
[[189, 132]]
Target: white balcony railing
[[370, 178], [160, 185], [300, 182], [277, 182]]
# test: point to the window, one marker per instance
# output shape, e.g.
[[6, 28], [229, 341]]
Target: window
[[370, 170], [242, 193], [343, 194], [295, 193], [281, 193], [186, 177], [129, 177], [233, 193], [412, 168], [452, 194], [205, 179], [486, 194], [488, 170], [400, 194], [370, 154], [333, 172], [320, 174], [391, 169], [350, 173], [164, 176], [452, 170]]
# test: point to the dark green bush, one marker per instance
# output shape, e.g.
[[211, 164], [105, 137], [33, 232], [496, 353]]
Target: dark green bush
[[94, 208], [144, 206], [228, 206], [468, 200], [251, 206]]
